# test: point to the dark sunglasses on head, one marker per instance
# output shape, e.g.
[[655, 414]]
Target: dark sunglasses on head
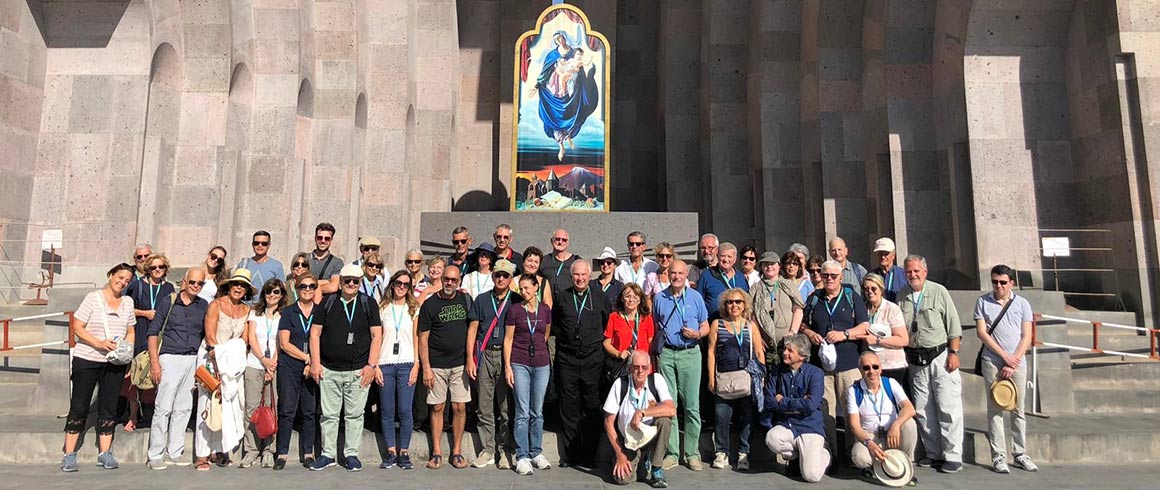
[[375, 266], [260, 244], [635, 244], [414, 262], [999, 282], [870, 367], [307, 287], [734, 302], [159, 268], [458, 242], [322, 238], [274, 291], [141, 257], [301, 264], [194, 283]]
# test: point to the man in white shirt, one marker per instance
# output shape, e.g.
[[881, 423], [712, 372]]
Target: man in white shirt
[[879, 415], [646, 402], [637, 267]]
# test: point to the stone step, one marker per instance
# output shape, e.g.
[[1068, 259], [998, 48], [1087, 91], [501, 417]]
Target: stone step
[[1117, 400], [1124, 343], [1080, 438], [1145, 374], [14, 396]]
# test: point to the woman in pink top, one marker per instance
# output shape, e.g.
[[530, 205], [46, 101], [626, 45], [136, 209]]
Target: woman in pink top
[[887, 334]]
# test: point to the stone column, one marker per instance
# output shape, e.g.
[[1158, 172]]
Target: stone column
[[679, 71]]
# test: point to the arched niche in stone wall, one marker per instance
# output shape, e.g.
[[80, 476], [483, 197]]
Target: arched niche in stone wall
[[162, 121]]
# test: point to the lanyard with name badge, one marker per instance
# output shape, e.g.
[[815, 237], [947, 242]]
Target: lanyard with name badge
[[153, 296], [917, 310], [531, 333], [350, 319], [398, 323], [496, 309], [680, 304], [638, 402], [307, 321]]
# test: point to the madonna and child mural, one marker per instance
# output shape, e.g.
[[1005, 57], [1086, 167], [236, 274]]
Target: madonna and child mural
[[561, 141]]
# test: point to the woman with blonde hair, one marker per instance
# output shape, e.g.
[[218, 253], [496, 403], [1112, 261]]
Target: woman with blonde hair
[[733, 342]]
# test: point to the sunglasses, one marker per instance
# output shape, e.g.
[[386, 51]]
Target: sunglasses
[[260, 244], [831, 275], [216, 258], [731, 302], [559, 239], [640, 368], [635, 244], [274, 292], [323, 238], [502, 237], [347, 281], [370, 248], [999, 282], [375, 266], [159, 268], [414, 262], [870, 289], [194, 283], [308, 286], [300, 264], [141, 257], [749, 258], [450, 279], [871, 367], [664, 256], [815, 271], [406, 284], [458, 242], [608, 262]]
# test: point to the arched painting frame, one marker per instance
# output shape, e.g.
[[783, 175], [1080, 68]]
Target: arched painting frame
[[561, 138]]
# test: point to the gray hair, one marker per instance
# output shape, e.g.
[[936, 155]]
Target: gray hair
[[915, 258], [800, 343], [580, 263], [503, 226], [460, 229], [142, 245], [710, 235], [638, 234], [837, 239], [724, 247], [414, 251], [831, 263], [800, 249]]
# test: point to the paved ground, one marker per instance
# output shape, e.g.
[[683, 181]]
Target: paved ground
[[139, 477]]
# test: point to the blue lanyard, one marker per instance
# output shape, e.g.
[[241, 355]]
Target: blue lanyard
[[634, 272], [398, 318], [680, 304], [918, 303], [889, 275], [153, 296], [269, 329], [531, 329], [559, 269], [830, 309], [739, 335], [641, 402], [497, 309], [307, 321], [580, 307], [728, 281], [349, 313], [371, 288]]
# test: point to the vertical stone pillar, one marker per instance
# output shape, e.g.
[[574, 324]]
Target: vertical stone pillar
[[679, 71], [432, 144], [481, 178]]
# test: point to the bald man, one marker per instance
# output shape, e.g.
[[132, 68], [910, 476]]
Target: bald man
[[852, 272], [556, 265]]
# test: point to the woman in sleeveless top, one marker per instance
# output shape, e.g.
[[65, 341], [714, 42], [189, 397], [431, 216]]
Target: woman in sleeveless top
[[399, 365], [261, 368], [659, 281], [225, 320], [732, 343], [533, 256]]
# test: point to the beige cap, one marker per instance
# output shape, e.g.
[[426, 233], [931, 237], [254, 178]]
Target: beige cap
[[369, 241], [884, 245], [504, 265], [350, 270]]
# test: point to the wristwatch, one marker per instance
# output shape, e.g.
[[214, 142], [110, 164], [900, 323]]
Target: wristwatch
[[953, 351]]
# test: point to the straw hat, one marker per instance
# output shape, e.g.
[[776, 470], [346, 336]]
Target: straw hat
[[1004, 394], [637, 438], [242, 277], [895, 470]]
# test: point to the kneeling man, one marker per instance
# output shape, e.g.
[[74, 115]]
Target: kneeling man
[[793, 400], [640, 399], [879, 414]]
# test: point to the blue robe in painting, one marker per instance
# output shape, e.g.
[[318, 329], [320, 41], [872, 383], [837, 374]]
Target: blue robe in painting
[[564, 116]]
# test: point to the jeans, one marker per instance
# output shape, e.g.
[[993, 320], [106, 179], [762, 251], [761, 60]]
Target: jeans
[[743, 408], [531, 383], [395, 400], [297, 395], [341, 391]]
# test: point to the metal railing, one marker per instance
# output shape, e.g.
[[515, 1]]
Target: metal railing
[[7, 323], [1056, 271], [1152, 334]]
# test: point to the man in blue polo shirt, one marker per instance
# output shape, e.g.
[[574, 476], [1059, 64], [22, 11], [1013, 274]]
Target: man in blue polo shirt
[[681, 315], [720, 278], [836, 315], [262, 265]]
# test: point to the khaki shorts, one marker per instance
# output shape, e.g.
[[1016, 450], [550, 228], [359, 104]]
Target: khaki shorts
[[452, 380]]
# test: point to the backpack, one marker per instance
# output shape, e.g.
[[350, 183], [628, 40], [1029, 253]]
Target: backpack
[[626, 381], [859, 393], [358, 300]]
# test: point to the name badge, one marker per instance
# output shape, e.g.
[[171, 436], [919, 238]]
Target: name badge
[[395, 349], [350, 338], [532, 350]]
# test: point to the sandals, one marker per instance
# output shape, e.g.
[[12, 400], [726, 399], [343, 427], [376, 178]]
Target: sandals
[[202, 464], [222, 460], [458, 461], [435, 461]]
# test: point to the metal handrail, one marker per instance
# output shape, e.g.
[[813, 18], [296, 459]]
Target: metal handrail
[[8, 322]]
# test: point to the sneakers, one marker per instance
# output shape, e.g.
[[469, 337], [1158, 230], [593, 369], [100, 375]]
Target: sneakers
[[158, 465], [322, 463], [720, 461], [505, 461], [951, 467], [107, 461], [308, 461], [388, 461], [181, 461], [353, 464], [931, 463], [743, 462], [279, 464], [247, 460], [669, 462], [694, 463], [541, 463], [999, 464], [524, 466], [404, 462], [483, 460], [1024, 461], [68, 463], [657, 478]]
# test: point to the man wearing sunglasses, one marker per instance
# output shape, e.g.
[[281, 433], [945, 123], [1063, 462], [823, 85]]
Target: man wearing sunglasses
[[503, 247], [460, 258], [323, 264], [485, 334], [262, 265], [140, 253], [637, 267], [368, 245], [443, 323], [879, 414], [933, 354], [1004, 345]]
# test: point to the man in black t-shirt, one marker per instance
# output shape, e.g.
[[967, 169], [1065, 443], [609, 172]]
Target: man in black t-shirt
[[442, 350], [346, 336]]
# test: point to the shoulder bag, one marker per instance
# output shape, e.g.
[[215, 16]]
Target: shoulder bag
[[991, 330], [732, 385], [139, 372], [121, 355], [264, 419]]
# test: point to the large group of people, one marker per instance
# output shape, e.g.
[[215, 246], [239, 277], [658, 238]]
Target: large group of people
[[789, 345]]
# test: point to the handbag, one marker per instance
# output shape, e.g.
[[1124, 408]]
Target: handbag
[[990, 330], [618, 368], [208, 380], [123, 353], [213, 412], [140, 374], [264, 419], [732, 385]]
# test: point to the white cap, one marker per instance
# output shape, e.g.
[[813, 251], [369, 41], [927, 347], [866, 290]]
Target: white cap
[[607, 253], [884, 245], [829, 355]]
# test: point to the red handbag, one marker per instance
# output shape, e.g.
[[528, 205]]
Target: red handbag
[[264, 418]]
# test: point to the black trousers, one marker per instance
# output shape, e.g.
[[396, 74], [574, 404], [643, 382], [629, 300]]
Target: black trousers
[[87, 376], [297, 396], [578, 380]]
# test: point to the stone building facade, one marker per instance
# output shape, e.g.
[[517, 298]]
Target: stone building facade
[[967, 129]]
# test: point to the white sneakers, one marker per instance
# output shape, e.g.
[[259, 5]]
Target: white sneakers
[[524, 466], [541, 463], [721, 461]]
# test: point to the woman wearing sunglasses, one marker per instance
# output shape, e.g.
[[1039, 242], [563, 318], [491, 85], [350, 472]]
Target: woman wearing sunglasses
[[733, 341], [297, 393], [299, 267], [748, 259], [215, 263], [659, 281], [372, 283], [261, 367], [413, 264], [147, 294], [399, 364], [887, 335]]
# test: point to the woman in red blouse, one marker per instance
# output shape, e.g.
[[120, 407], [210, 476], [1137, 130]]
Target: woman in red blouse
[[630, 327]]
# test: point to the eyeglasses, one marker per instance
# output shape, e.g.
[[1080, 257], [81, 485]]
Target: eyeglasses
[[635, 244], [999, 282], [664, 256], [194, 283], [871, 367], [307, 287], [450, 279], [815, 271], [406, 284], [260, 244], [300, 264], [748, 258], [640, 368], [141, 257], [370, 248], [414, 262], [458, 242], [559, 239], [375, 266], [731, 302], [159, 267], [274, 292], [323, 238], [831, 275]]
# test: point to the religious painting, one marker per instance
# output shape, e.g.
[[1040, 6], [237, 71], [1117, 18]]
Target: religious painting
[[561, 103]]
